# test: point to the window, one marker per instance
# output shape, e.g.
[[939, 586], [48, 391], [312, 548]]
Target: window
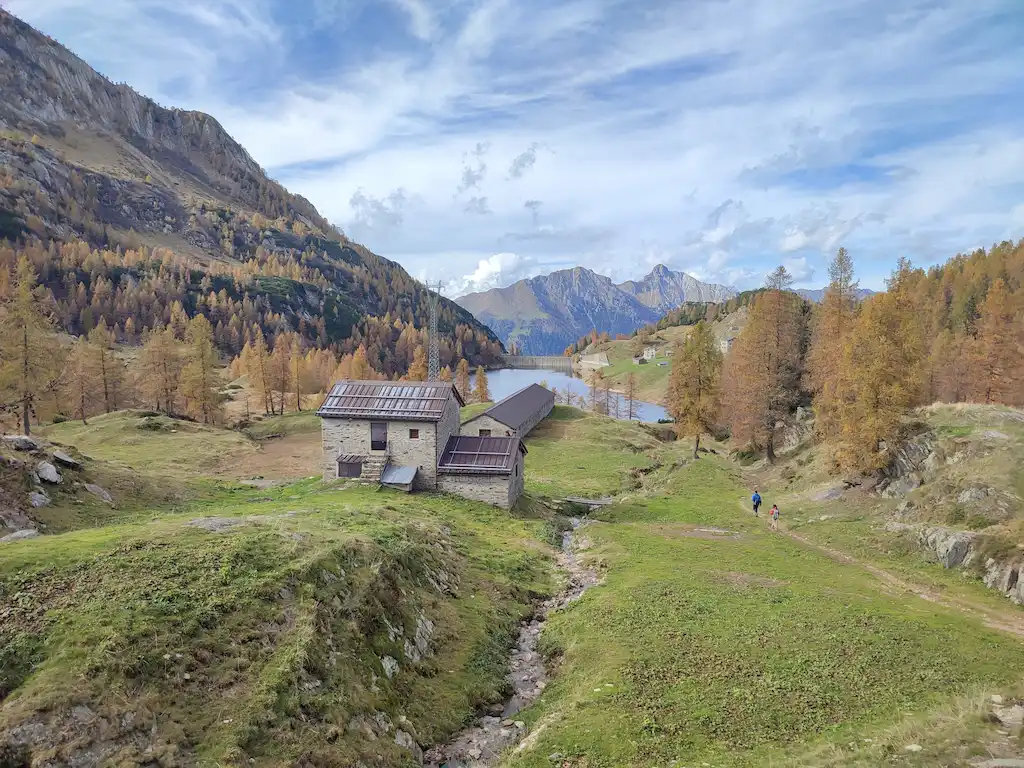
[[378, 436], [485, 433], [350, 468], [414, 434]]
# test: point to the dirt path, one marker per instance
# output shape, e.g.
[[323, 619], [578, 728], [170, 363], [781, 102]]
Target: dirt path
[[1011, 623], [483, 742]]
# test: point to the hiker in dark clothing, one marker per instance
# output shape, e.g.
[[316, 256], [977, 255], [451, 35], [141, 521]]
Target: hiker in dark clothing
[[756, 498]]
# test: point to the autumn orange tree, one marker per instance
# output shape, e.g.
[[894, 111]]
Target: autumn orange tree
[[693, 384], [481, 392], [200, 382], [881, 367], [28, 365], [765, 370], [997, 352], [833, 325], [462, 379]]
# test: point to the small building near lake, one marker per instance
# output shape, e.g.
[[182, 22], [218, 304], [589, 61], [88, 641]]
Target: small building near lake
[[514, 416], [488, 469], [405, 435]]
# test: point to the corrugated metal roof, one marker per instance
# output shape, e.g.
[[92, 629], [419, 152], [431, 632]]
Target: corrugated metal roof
[[479, 455], [406, 400], [395, 475], [516, 409]]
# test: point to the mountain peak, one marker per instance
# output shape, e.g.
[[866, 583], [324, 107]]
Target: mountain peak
[[545, 314]]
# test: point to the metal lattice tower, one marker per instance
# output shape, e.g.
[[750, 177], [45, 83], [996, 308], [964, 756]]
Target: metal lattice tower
[[433, 349]]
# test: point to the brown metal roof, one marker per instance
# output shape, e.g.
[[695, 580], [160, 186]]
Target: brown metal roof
[[516, 409], [405, 400], [479, 455]]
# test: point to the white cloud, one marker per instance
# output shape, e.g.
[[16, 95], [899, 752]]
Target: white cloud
[[499, 270], [718, 136]]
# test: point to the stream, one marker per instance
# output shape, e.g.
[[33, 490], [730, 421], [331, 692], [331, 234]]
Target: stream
[[482, 743]]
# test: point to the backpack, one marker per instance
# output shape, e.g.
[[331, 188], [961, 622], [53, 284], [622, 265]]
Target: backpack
[[775, 513]]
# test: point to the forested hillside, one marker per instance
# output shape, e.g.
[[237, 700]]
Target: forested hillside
[[953, 333], [136, 217]]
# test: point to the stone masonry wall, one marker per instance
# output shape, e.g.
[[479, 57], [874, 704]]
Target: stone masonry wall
[[473, 427], [491, 489], [341, 436]]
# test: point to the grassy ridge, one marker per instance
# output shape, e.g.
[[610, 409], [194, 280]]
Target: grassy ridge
[[259, 640], [739, 651]]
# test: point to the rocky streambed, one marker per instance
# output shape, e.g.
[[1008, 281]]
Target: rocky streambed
[[483, 742]]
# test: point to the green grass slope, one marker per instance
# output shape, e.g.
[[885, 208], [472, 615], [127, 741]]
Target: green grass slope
[[741, 650], [258, 637]]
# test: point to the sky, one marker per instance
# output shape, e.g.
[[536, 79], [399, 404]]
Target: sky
[[478, 142]]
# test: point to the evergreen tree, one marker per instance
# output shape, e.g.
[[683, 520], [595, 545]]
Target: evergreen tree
[[199, 380], [693, 384], [481, 393], [28, 367], [446, 374], [159, 369]]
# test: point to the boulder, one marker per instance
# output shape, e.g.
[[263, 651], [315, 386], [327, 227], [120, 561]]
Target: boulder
[[971, 495], [95, 490], [38, 499], [830, 495], [21, 442], [28, 533], [62, 458], [901, 486], [952, 547], [48, 473], [1001, 576]]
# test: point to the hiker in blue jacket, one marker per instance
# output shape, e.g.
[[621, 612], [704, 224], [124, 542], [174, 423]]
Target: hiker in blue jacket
[[756, 498]]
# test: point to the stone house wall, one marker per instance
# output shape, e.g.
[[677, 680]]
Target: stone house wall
[[501, 490], [473, 427], [341, 436]]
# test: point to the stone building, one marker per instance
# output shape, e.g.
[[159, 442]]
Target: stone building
[[488, 469], [516, 415], [372, 426], [405, 435]]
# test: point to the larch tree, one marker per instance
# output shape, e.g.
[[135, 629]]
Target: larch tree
[[361, 370], [109, 371], [159, 369], [199, 380], [882, 366], [997, 350], [28, 366], [257, 369], [81, 384], [418, 367], [462, 379], [280, 368], [631, 397], [446, 374], [481, 393], [764, 369], [596, 383], [834, 321], [693, 384]]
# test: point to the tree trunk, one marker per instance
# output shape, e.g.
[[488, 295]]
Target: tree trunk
[[769, 450], [24, 383], [696, 446]]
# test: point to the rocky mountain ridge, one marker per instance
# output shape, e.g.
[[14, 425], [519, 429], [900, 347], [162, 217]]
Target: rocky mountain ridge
[[545, 314], [84, 160]]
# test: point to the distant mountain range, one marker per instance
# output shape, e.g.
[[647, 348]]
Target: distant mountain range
[[546, 314], [817, 294]]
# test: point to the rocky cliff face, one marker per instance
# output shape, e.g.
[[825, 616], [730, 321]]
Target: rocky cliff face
[[548, 313]]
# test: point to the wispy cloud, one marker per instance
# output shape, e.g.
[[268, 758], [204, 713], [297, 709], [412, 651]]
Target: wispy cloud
[[719, 136]]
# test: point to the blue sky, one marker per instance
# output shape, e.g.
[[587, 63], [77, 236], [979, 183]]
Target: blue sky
[[482, 141]]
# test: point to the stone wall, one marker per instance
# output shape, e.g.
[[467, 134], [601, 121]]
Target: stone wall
[[501, 490], [340, 436], [491, 489], [473, 427], [446, 427]]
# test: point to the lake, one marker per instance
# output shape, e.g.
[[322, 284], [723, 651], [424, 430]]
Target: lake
[[504, 381]]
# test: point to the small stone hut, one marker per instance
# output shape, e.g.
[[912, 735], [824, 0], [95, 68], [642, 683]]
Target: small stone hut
[[488, 469], [369, 427], [515, 416]]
